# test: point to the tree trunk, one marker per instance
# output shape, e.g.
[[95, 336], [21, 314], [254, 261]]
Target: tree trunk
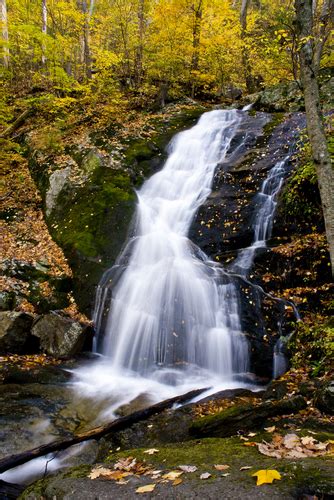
[[115, 426], [4, 27], [326, 19], [198, 13], [140, 47], [245, 52], [85, 41], [44, 28], [315, 128]]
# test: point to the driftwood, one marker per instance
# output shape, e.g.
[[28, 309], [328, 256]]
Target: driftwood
[[17, 123], [97, 432]]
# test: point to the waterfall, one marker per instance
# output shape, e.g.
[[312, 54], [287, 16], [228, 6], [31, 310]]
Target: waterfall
[[164, 303], [266, 205]]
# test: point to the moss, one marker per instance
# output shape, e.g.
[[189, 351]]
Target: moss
[[81, 219], [312, 345], [203, 453]]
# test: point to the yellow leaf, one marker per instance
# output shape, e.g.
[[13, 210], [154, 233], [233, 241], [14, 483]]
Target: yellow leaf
[[146, 489], [266, 476], [174, 474], [177, 481]]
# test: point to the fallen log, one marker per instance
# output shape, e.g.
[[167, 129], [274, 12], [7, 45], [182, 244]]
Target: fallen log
[[96, 433], [17, 123], [244, 418]]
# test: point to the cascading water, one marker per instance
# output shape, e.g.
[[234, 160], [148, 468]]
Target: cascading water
[[169, 305], [266, 203]]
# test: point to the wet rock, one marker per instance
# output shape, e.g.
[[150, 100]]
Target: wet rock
[[59, 336], [10, 491], [14, 332], [324, 398], [14, 374]]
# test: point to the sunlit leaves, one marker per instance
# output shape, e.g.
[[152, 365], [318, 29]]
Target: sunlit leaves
[[266, 476]]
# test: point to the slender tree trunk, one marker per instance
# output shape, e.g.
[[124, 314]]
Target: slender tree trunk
[[85, 40], [198, 13], [245, 52], [44, 28], [326, 19], [140, 48], [316, 133], [4, 28]]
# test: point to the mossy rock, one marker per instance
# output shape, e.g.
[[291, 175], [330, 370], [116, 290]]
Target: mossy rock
[[311, 476]]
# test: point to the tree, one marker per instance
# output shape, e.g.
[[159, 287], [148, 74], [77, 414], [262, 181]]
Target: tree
[[197, 8], [245, 54], [44, 27], [309, 64], [4, 26], [86, 55]]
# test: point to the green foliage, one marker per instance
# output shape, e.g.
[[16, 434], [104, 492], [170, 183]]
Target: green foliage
[[301, 196], [145, 47], [48, 139], [312, 345]]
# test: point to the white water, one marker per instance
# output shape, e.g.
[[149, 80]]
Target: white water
[[169, 306], [167, 316], [266, 201]]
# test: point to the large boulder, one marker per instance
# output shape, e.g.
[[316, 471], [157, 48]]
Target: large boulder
[[60, 336], [14, 331]]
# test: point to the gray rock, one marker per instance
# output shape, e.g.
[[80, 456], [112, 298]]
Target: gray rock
[[58, 335], [14, 331], [57, 182]]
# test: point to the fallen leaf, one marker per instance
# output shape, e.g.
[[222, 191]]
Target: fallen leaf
[[98, 471], [291, 441], [250, 443], [125, 464], [109, 474], [251, 434], [246, 467], [146, 489], [221, 467], [270, 429], [266, 476], [243, 438], [188, 468], [177, 481], [205, 475], [174, 474], [226, 474], [151, 451], [267, 450]]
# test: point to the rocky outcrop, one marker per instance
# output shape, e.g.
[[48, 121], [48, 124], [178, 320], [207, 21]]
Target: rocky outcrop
[[60, 336], [14, 332]]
